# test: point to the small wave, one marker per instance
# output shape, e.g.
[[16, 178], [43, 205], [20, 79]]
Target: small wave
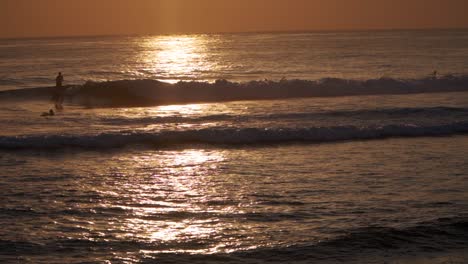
[[438, 235], [353, 247], [153, 92], [19, 212], [10, 81], [432, 112], [229, 136]]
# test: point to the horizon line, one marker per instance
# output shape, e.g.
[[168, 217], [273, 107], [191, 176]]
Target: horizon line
[[238, 32]]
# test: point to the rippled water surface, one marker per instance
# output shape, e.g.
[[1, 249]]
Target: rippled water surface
[[139, 203]]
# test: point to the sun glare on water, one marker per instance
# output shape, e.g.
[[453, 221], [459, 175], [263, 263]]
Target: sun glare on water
[[181, 186], [175, 58], [186, 110], [166, 186]]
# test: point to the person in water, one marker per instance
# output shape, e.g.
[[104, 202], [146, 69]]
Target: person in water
[[59, 91], [50, 113]]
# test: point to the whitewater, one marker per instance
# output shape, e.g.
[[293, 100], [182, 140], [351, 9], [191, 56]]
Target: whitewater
[[305, 147]]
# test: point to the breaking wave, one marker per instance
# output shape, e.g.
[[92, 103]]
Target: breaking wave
[[230, 136], [154, 92]]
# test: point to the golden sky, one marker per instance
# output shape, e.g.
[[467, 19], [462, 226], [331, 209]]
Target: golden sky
[[32, 18]]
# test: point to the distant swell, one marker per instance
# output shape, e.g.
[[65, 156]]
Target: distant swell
[[219, 136], [153, 92]]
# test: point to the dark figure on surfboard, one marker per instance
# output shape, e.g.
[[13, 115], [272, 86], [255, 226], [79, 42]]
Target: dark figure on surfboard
[[58, 92]]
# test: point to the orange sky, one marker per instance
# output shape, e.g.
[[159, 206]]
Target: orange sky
[[31, 18]]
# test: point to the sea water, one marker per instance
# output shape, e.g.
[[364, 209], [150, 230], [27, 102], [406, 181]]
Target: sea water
[[369, 167]]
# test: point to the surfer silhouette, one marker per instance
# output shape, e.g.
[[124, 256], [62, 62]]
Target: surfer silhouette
[[59, 91], [59, 80]]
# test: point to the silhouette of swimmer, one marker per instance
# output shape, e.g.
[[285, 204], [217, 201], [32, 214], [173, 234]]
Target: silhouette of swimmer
[[58, 94], [50, 113], [434, 75]]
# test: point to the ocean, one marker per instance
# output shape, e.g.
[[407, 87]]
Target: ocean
[[301, 147]]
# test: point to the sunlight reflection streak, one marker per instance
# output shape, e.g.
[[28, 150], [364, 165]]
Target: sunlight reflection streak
[[174, 58], [175, 192]]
